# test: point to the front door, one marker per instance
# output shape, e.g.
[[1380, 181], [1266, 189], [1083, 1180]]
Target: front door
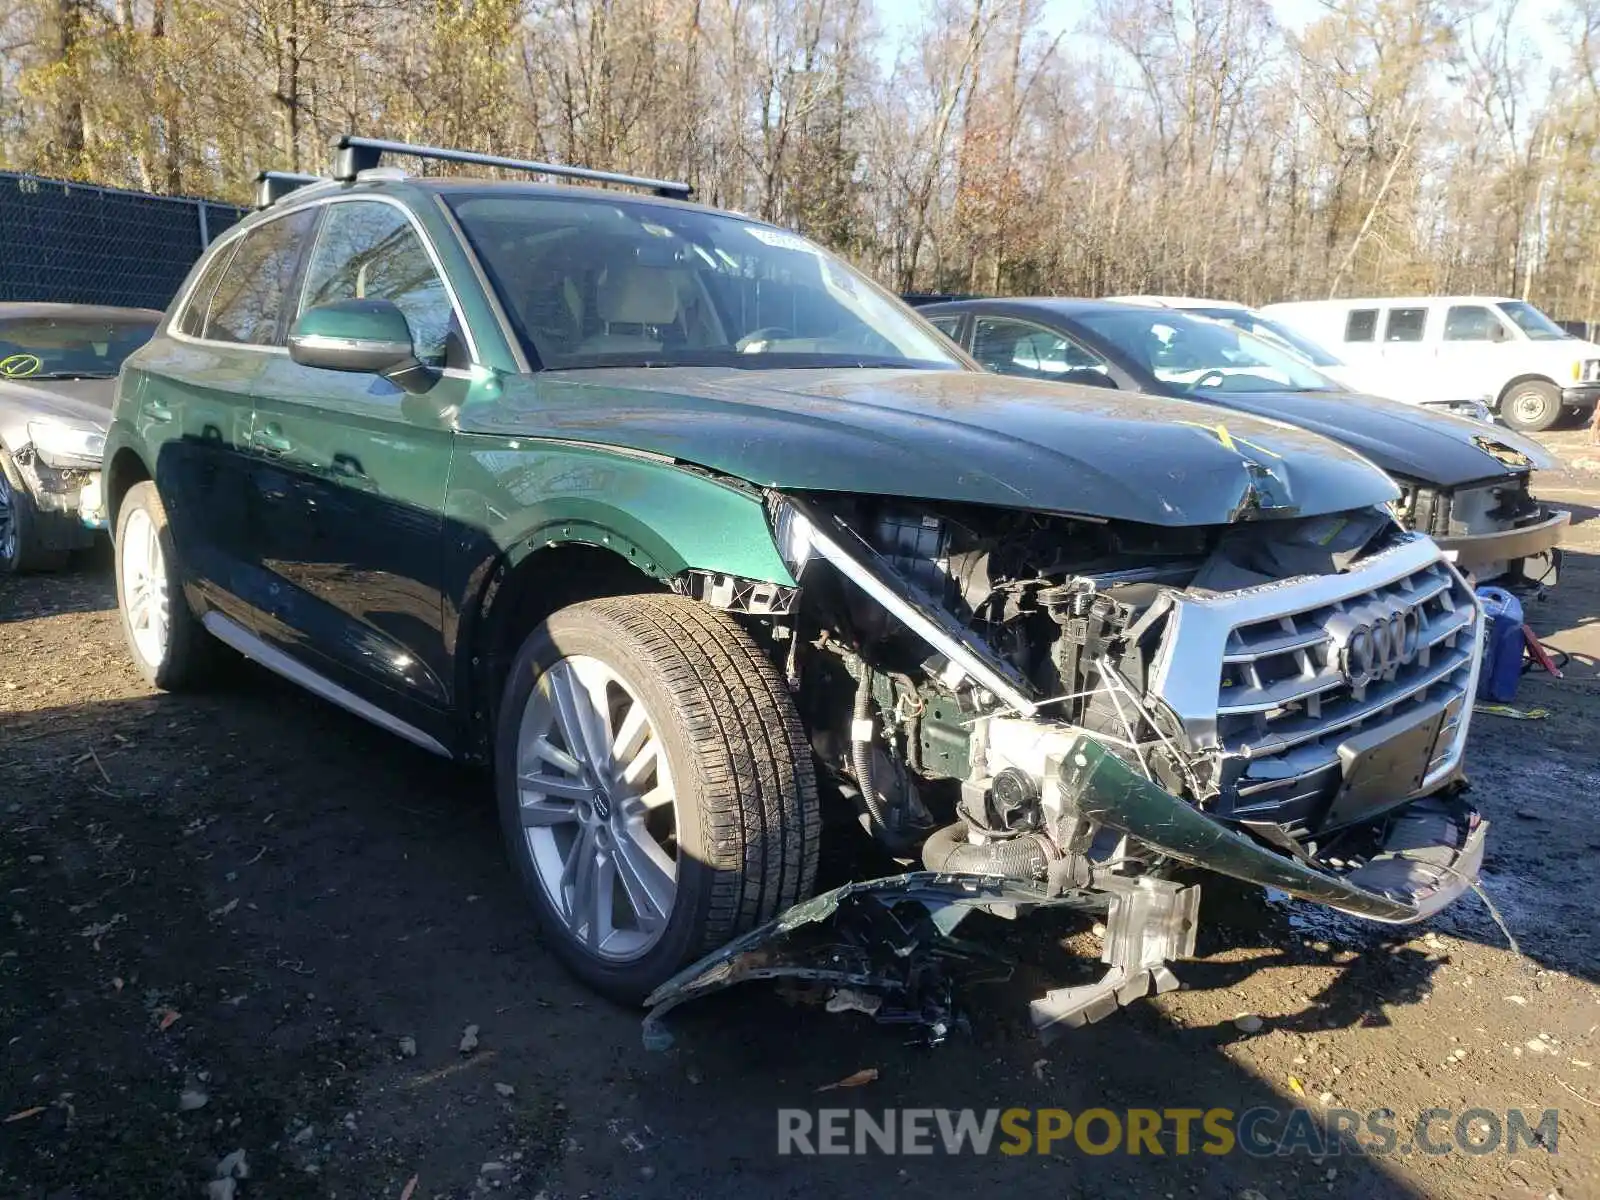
[[352, 471]]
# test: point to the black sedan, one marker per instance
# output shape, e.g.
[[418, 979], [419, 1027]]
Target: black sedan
[[1463, 483]]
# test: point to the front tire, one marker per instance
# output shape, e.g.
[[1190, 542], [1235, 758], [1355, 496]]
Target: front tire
[[171, 648], [22, 548], [1532, 406], [656, 789]]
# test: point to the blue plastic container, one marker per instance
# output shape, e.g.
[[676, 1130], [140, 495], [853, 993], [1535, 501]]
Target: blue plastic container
[[1502, 652]]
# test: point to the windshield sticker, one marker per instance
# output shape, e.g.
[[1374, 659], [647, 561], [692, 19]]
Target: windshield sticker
[[781, 240], [20, 366]]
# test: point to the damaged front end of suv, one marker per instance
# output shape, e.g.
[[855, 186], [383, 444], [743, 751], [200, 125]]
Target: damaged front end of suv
[[1041, 709]]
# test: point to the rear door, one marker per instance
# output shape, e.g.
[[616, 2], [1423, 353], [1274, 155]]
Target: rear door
[[1407, 335], [353, 470], [1011, 346], [194, 408]]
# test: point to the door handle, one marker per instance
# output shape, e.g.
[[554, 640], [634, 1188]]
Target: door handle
[[348, 470], [270, 439]]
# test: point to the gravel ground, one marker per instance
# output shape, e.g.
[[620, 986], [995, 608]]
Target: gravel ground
[[246, 921]]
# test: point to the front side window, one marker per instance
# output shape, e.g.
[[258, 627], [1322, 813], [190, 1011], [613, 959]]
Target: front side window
[[249, 299], [1014, 347], [370, 251], [1361, 325], [1469, 323], [1532, 322], [1405, 324], [615, 283], [1202, 357], [70, 347]]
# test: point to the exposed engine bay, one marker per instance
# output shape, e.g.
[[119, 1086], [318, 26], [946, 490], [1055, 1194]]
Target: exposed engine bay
[[1078, 706]]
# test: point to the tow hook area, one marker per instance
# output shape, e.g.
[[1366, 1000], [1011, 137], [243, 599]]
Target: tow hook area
[[1150, 922]]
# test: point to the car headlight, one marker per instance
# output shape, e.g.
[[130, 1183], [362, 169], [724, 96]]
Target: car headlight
[[62, 445], [792, 532]]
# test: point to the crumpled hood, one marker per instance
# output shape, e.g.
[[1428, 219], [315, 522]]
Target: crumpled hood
[[946, 435], [1432, 447], [76, 400]]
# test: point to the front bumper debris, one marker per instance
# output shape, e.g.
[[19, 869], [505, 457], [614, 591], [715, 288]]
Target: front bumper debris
[[886, 946], [1429, 854], [1507, 545], [59, 496]]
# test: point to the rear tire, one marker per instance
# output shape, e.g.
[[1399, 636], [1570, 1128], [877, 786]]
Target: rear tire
[[727, 801], [21, 546], [170, 647], [1532, 406]]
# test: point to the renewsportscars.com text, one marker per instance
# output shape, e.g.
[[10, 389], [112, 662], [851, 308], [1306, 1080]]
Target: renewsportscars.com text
[[1260, 1132]]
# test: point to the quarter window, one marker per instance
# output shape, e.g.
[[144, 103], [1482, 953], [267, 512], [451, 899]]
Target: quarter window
[[370, 251], [249, 299], [1405, 324], [1469, 323], [193, 320], [1023, 348], [1361, 325], [946, 325]]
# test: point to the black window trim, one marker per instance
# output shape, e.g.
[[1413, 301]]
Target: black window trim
[[1352, 313], [1388, 319], [234, 236]]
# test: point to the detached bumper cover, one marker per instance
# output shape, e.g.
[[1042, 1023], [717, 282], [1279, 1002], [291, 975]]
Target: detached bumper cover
[[1430, 856], [1507, 544]]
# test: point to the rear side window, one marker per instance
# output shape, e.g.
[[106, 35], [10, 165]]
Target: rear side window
[[946, 325], [1405, 324], [193, 320], [249, 300], [1469, 323], [1361, 325], [370, 251]]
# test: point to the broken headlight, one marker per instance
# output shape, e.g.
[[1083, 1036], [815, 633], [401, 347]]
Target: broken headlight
[[65, 446]]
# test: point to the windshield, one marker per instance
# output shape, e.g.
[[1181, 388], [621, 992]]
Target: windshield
[[617, 283], [1532, 322], [68, 347], [1271, 331], [1200, 357]]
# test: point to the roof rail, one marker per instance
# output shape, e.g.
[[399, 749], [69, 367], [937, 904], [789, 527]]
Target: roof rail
[[358, 154], [272, 186]]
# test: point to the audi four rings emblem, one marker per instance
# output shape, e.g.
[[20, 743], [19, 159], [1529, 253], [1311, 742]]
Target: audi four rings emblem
[[1369, 646]]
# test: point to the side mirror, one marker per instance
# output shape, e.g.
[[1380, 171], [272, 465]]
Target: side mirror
[[1498, 333], [364, 336]]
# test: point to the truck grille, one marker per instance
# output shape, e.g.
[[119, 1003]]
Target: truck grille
[[1313, 669]]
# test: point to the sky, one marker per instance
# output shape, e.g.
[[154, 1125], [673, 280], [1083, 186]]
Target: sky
[[900, 17]]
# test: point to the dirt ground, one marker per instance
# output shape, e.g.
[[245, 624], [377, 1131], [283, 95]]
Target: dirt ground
[[247, 921]]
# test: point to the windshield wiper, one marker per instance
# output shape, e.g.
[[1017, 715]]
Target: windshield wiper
[[71, 375]]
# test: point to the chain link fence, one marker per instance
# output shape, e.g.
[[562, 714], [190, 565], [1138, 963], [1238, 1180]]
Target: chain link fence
[[79, 244]]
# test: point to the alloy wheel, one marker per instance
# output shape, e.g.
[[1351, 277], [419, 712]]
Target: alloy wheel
[[144, 587], [599, 812]]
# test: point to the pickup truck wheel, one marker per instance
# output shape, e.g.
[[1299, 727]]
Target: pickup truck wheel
[[170, 647], [655, 786], [1532, 407], [20, 548]]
